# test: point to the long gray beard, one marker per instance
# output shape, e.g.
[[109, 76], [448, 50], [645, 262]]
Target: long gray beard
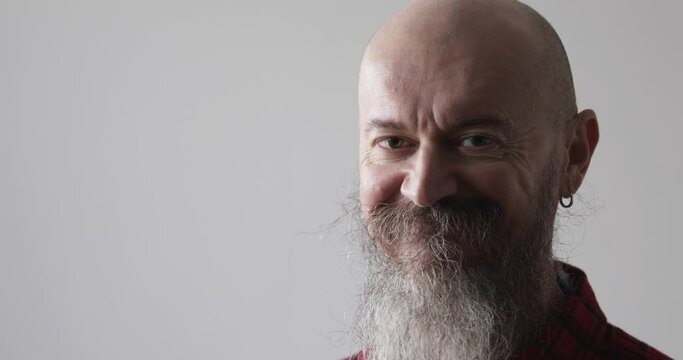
[[442, 309], [436, 316]]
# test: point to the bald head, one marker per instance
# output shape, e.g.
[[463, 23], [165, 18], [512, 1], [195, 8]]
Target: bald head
[[433, 39]]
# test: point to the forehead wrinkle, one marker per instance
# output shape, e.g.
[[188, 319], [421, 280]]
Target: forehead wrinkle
[[449, 111], [460, 72], [398, 65]]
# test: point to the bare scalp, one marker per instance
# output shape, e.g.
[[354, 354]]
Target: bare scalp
[[429, 36]]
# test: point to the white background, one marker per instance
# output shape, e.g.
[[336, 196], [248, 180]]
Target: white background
[[169, 169]]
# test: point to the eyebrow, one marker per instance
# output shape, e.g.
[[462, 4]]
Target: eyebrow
[[384, 124], [454, 125]]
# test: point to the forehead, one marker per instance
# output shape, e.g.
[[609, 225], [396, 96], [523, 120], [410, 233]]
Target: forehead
[[457, 87]]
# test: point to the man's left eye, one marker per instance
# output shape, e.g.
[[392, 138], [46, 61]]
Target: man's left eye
[[476, 141]]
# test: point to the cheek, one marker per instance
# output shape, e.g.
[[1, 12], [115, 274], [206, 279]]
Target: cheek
[[379, 184], [500, 183]]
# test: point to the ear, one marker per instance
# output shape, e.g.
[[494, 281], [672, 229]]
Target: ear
[[582, 137]]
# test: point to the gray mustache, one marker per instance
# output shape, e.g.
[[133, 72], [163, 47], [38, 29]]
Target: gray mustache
[[448, 216]]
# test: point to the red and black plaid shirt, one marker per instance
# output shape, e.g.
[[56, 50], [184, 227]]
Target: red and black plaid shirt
[[581, 331]]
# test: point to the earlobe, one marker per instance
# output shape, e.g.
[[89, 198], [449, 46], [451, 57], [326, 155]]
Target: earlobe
[[582, 141]]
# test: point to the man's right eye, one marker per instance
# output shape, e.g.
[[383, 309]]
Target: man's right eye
[[393, 143]]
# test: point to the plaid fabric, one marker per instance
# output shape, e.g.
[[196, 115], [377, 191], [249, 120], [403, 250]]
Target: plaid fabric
[[581, 330]]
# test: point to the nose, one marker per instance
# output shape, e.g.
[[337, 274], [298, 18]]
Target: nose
[[429, 179]]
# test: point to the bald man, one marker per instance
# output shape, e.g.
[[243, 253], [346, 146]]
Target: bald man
[[469, 139]]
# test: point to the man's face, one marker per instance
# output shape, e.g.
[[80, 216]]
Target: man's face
[[462, 163], [458, 191], [461, 130]]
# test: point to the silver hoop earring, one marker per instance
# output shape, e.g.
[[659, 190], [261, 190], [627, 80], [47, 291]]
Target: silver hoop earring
[[571, 201]]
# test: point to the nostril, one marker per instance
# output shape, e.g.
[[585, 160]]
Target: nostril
[[427, 190]]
